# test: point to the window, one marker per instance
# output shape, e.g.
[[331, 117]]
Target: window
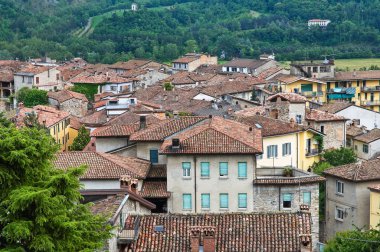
[[357, 83], [259, 156], [37, 80], [242, 200], [286, 149], [299, 119], [271, 151], [322, 129], [315, 69], [113, 88], [153, 156], [223, 169], [339, 187], [287, 200], [205, 169], [186, 167], [57, 77], [223, 198], [205, 201], [306, 198], [339, 213], [242, 170], [186, 201], [23, 79], [356, 147], [365, 148]]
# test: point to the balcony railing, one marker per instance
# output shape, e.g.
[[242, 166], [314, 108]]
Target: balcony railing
[[312, 152], [370, 89], [127, 236], [312, 94], [369, 103]]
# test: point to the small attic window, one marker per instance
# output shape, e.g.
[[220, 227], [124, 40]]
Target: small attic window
[[159, 228], [175, 143], [258, 126]]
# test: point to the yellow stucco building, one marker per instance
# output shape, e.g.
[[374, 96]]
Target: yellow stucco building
[[374, 219]]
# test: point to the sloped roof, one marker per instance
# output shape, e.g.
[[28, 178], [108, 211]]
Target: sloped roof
[[46, 115], [357, 172], [115, 130], [357, 75], [375, 188], [130, 118], [98, 78], [291, 97], [95, 119], [247, 112], [335, 107], [214, 136], [154, 189], [288, 79], [166, 128], [65, 95], [352, 130], [233, 231], [249, 63], [370, 136], [320, 116], [130, 64], [103, 165]]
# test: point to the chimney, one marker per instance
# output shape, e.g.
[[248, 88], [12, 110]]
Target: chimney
[[21, 105], [175, 143], [195, 238], [124, 181], [142, 122], [134, 185], [165, 97], [292, 123], [176, 114], [209, 239]]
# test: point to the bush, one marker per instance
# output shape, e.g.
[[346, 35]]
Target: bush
[[32, 97], [339, 156]]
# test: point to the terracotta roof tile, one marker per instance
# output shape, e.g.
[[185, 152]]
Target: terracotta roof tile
[[33, 69], [47, 116], [352, 130], [154, 189], [166, 128], [357, 75], [280, 232], [289, 181], [370, 136], [320, 116], [103, 165], [361, 171], [97, 118], [259, 110], [375, 188], [131, 118], [157, 171], [115, 130], [75, 123], [291, 97], [228, 87], [130, 64], [65, 95], [286, 78], [98, 78], [216, 135], [335, 107], [249, 63]]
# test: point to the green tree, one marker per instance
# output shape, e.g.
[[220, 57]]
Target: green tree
[[254, 96], [4, 122], [191, 46], [32, 97], [355, 241], [81, 140], [40, 207], [339, 156]]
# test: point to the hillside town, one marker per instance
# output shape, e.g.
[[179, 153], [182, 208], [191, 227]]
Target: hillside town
[[201, 156]]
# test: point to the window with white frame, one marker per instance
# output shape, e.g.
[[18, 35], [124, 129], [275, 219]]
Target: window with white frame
[[223, 169], [365, 148], [299, 119], [286, 149], [339, 213], [287, 200], [272, 151], [186, 168], [339, 187]]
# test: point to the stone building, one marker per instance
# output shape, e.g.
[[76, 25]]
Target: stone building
[[286, 106], [74, 103]]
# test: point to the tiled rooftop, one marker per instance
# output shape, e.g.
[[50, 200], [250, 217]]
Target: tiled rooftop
[[278, 232], [357, 75], [154, 189], [361, 171], [47, 116], [103, 165], [166, 128], [249, 63], [157, 172], [353, 130], [216, 135], [370, 136], [115, 130], [130, 118], [97, 118], [375, 188], [130, 64], [335, 107], [322, 116], [247, 112], [98, 78], [65, 95], [291, 97]]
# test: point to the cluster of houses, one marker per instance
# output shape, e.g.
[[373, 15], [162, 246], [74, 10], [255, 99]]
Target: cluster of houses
[[205, 157]]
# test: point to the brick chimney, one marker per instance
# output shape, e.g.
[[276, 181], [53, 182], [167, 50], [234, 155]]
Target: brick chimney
[[125, 181], [134, 185], [292, 122], [195, 238], [209, 239]]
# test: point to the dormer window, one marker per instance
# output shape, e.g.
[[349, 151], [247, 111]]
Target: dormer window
[[175, 143]]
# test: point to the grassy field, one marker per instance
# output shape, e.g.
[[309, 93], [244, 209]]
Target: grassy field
[[347, 64]]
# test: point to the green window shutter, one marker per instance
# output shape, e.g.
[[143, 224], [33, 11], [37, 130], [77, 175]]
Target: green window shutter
[[205, 169], [242, 198], [223, 200], [287, 197], [223, 169], [186, 201], [205, 200], [307, 198], [269, 153], [275, 150], [242, 169], [283, 149]]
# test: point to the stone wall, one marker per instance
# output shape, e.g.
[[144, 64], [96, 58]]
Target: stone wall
[[75, 107], [334, 131]]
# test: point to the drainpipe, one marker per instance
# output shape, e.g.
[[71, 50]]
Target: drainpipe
[[279, 198], [195, 183], [297, 150]]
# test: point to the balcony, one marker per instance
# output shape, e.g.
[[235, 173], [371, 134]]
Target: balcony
[[312, 152], [128, 235], [370, 89], [369, 103], [312, 94]]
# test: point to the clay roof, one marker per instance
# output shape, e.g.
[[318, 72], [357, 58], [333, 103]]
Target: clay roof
[[215, 136], [157, 171], [269, 72], [75, 123], [270, 126], [98, 78], [259, 110], [233, 231], [352, 130], [102, 165], [166, 128], [154, 189], [249, 63], [286, 78], [33, 69], [357, 75], [320, 116], [335, 107], [228, 87], [184, 77], [95, 119], [130, 118], [375, 188], [370, 136], [130, 64], [185, 60], [65, 95], [289, 181], [291, 97], [47, 116], [6, 75], [357, 172], [115, 130]]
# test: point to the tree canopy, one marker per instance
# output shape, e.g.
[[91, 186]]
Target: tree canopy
[[81, 140], [40, 207], [355, 240], [32, 97]]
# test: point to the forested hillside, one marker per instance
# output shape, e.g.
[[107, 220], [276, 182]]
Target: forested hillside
[[164, 29]]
